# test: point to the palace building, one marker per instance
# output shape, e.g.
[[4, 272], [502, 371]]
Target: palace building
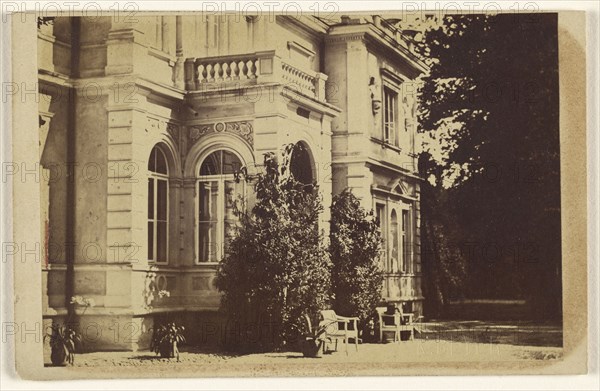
[[144, 122]]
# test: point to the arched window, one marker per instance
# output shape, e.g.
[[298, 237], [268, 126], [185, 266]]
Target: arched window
[[301, 164], [158, 206], [218, 195], [393, 267]]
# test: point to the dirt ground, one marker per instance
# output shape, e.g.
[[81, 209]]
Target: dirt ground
[[409, 351], [437, 341]]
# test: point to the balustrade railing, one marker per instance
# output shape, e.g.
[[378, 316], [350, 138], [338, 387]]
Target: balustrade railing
[[220, 71], [304, 80], [252, 68]]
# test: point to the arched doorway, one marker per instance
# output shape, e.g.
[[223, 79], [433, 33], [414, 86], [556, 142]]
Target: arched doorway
[[301, 164]]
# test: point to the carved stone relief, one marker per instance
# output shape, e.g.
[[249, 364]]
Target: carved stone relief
[[243, 129]]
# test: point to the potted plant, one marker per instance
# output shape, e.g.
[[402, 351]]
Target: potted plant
[[165, 340], [63, 342], [313, 342]]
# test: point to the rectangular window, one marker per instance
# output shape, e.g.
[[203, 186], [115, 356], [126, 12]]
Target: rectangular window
[[390, 102], [380, 212], [217, 219], [406, 248], [161, 220], [157, 219], [151, 240], [208, 221], [395, 251]]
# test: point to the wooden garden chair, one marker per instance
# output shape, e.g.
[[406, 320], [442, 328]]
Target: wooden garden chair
[[398, 322], [341, 327]]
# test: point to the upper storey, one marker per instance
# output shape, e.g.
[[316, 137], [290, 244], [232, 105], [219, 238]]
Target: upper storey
[[235, 52], [296, 40], [372, 71], [362, 65]]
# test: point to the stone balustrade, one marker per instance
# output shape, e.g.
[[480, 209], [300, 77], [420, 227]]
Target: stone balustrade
[[252, 68]]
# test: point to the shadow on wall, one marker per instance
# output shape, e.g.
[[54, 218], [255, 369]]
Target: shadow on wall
[[202, 328]]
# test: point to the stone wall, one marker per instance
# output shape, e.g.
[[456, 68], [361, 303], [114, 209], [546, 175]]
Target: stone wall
[[125, 84]]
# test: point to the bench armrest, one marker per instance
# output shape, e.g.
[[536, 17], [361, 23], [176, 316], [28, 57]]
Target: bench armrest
[[347, 318], [409, 316]]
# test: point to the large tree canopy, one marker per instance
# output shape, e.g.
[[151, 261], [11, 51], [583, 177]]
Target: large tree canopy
[[489, 117]]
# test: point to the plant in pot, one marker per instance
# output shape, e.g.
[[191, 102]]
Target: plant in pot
[[313, 342], [63, 342], [165, 340]]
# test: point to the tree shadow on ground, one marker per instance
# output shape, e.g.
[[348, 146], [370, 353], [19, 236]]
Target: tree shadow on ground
[[212, 351], [530, 333]]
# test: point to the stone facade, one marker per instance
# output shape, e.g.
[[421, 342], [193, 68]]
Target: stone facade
[[197, 94]]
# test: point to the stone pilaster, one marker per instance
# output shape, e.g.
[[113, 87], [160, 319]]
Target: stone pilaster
[[123, 48]]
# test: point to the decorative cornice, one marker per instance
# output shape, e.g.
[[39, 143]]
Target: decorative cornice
[[345, 38], [384, 44]]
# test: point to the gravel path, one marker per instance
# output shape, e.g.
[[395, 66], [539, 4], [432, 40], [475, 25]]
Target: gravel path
[[407, 351]]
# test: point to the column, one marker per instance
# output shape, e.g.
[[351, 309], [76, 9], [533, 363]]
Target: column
[[178, 69]]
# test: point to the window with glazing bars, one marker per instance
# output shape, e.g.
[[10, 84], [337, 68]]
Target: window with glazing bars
[[390, 98], [158, 206]]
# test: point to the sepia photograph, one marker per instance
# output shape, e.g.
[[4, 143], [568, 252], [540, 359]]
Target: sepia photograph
[[331, 193]]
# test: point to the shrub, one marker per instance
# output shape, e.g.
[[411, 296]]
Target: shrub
[[355, 249], [277, 267]]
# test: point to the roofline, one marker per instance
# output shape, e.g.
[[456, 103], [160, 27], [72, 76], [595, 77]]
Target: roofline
[[371, 34], [309, 24]]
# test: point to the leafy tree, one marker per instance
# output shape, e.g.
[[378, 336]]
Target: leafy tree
[[277, 267], [489, 114], [355, 249], [442, 258]]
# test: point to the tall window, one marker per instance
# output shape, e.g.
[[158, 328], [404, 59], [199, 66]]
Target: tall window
[[158, 206], [218, 195], [381, 219], [405, 242], [390, 107], [393, 267]]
